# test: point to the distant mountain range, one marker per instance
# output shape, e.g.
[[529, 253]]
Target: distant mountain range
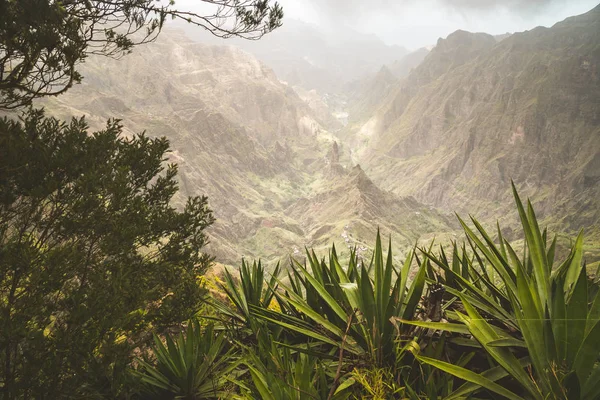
[[325, 141], [305, 55], [265, 159], [477, 113]]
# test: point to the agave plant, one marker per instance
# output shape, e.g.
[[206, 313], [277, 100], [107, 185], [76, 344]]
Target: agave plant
[[548, 314], [283, 374], [196, 365], [250, 290], [348, 314]]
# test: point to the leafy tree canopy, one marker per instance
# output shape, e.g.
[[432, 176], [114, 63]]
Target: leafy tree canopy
[[43, 41], [92, 255]]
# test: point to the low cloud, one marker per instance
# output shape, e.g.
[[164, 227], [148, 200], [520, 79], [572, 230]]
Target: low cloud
[[516, 6], [417, 23], [353, 11]]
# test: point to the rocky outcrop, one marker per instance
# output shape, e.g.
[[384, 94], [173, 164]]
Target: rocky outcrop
[[352, 205], [477, 113], [238, 134]]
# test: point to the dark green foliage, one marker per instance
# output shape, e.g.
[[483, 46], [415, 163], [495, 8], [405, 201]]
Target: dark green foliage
[[252, 291], [194, 366], [483, 322], [310, 337], [357, 304], [534, 313], [32, 31], [43, 41], [92, 254], [282, 374]]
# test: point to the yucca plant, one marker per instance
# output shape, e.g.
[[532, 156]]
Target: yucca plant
[[280, 373], [251, 289], [349, 313], [547, 315], [196, 365]]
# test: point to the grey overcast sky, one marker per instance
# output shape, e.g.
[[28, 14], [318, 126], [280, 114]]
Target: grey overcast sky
[[418, 23]]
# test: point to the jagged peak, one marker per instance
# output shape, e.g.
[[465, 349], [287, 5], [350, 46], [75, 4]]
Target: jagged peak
[[464, 38], [457, 49], [384, 76], [385, 71], [334, 153], [359, 178]]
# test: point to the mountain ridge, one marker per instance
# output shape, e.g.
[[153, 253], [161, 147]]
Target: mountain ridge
[[526, 108], [247, 141]]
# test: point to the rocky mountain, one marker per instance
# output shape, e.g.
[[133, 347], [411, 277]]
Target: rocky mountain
[[349, 199], [402, 67], [264, 157], [364, 95], [477, 113], [312, 57], [287, 164]]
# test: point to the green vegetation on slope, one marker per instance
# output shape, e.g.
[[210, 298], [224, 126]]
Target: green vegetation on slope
[[483, 321], [251, 145], [477, 113]]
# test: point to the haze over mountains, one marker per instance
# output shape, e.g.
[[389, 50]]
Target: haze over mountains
[[477, 113], [267, 163], [325, 141], [305, 55]]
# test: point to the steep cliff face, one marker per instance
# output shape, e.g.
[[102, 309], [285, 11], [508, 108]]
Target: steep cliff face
[[477, 113], [241, 137], [238, 134], [402, 67]]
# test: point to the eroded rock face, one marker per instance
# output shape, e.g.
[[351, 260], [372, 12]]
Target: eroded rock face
[[478, 113], [473, 115], [259, 152]]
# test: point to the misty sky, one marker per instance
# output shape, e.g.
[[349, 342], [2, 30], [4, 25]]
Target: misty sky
[[418, 23]]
